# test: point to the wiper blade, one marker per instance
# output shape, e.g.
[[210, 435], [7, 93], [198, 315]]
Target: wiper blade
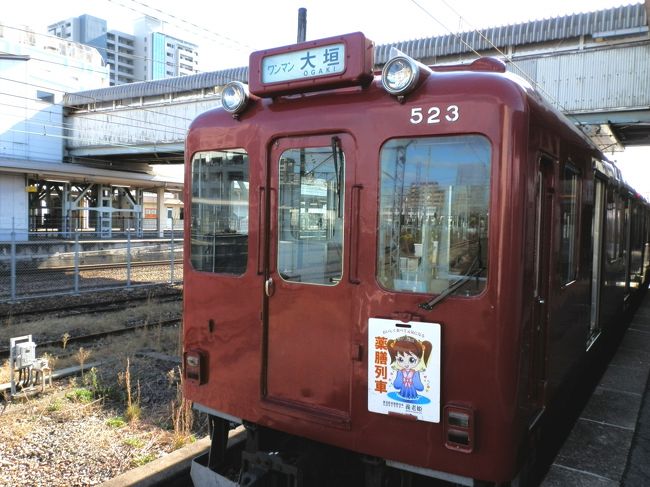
[[337, 156], [453, 287]]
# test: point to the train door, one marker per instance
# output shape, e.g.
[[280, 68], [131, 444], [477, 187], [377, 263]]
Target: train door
[[308, 301], [543, 237], [597, 262]]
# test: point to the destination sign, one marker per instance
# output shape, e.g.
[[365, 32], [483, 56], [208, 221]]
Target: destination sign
[[322, 64], [304, 64]]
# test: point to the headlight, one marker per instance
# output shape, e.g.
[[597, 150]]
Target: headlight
[[401, 73], [234, 97]]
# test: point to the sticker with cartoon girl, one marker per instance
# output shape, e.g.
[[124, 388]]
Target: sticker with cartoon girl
[[409, 357], [404, 368]]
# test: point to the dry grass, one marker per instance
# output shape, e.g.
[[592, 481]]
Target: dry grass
[[182, 415], [133, 411], [4, 372], [86, 409], [93, 411]]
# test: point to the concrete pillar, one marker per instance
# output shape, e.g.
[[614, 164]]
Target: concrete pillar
[[161, 211], [14, 207]]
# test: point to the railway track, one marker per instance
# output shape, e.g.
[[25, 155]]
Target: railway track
[[110, 265], [91, 337], [63, 308]]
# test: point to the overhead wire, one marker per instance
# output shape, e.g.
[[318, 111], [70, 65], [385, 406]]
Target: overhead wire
[[167, 129], [91, 99], [110, 115], [525, 75], [140, 144], [179, 21], [72, 129], [84, 68], [509, 58]]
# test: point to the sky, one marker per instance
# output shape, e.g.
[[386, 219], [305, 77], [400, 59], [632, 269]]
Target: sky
[[227, 32]]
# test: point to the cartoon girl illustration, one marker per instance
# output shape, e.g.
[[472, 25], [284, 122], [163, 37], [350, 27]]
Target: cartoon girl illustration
[[408, 357]]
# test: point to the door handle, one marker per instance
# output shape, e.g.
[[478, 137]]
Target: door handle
[[269, 288]]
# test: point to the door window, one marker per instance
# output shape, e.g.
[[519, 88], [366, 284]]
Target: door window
[[310, 215]]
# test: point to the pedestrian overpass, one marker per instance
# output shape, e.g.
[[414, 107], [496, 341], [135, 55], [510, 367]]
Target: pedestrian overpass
[[594, 67]]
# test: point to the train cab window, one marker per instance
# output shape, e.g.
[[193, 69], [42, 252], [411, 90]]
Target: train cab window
[[310, 215], [219, 219], [433, 214], [568, 224]]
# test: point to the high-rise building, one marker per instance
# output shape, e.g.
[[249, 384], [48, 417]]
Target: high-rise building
[[149, 54], [84, 29], [164, 56], [121, 55]]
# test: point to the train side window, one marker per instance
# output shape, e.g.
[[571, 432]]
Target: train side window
[[636, 247], [433, 214], [617, 216], [219, 211], [611, 227], [567, 261]]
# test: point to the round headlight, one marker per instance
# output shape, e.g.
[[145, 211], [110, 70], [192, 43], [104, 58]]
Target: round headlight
[[400, 75], [234, 97]]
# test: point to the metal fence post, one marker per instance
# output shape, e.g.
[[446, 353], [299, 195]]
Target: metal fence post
[[128, 258], [77, 250], [171, 259], [13, 260]]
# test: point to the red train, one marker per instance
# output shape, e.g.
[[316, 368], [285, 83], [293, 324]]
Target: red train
[[401, 271]]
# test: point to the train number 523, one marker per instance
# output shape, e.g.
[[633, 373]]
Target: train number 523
[[434, 114]]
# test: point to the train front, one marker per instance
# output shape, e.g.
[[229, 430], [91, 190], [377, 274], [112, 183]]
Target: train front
[[350, 240]]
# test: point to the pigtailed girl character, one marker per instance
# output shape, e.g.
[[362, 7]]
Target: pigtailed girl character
[[408, 357]]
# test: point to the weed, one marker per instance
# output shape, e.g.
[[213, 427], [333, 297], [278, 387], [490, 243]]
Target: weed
[[5, 372], [92, 382], [171, 376], [80, 394], [182, 416], [133, 410], [134, 442], [64, 339], [51, 360], [117, 422], [143, 460], [82, 355], [55, 406]]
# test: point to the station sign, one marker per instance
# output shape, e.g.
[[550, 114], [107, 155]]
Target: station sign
[[323, 64]]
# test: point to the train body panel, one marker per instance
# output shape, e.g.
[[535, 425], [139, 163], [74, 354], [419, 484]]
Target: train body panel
[[336, 218]]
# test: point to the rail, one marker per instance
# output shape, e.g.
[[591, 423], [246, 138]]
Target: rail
[[91, 337]]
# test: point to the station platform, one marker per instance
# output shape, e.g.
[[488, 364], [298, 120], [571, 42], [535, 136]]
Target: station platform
[[609, 444]]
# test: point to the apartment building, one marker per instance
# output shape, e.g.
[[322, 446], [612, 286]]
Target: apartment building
[[148, 54]]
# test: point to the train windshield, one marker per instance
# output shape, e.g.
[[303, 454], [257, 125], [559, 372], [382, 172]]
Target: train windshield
[[433, 214], [219, 224]]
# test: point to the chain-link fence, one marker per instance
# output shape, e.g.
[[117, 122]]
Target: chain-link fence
[[46, 263]]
